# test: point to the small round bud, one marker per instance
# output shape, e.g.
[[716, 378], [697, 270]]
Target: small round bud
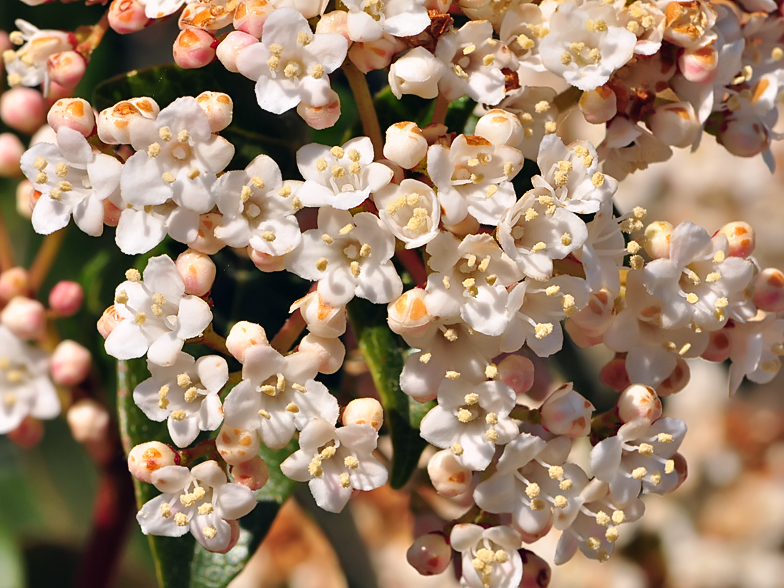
[[23, 109], [597, 316], [218, 107], [70, 363], [536, 571], [57, 92], [253, 473], [500, 127], [207, 242], [517, 372], [323, 319], [207, 16], [334, 22], [233, 538], [681, 468], [197, 272], [675, 124], [194, 48], [243, 335], [699, 65], [405, 144], [109, 319], [114, 122], [769, 290], [468, 226], [408, 314], [417, 73], [45, 134], [567, 413], [236, 445], [66, 298], [88, 420], [228, 49], [26, 197], [11, 150], [331, 351], [740, 237], [364, 411], [448, 477], [598, 105], [744, 137], [639, 402], [676, 381], [74, 113], [266, 262], [147, 458], [127, 16], [24, 317], [374, 55], [430, 554], [111, 214], [657, 239], [321, 117], [66, 68], [718, 349], [28, 434], [614, 374], [13, 282], [250, 15]]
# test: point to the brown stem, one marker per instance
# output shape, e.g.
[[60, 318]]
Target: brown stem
[[212, 340], [414, 265], [365, 106], [6, 250], [441, 108], [93, 39], [45, 258], [291, 329]]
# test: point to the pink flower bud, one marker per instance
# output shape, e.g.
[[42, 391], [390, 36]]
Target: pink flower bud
[[197, 272], [405, 144], [233, 538], [567, 413], [657, 239], [681, 468], [330, 351], [146, 458], [598, 105], [109, 319], [323, 319], [517, 372], [127, 16], [448, 477], [250, 15], [718, 349], [28, 434], [597, 316], [769, 290], [639, 402], [70, 363], [675, 124], [374, 55], [676, 381], [430, 554], [228, 49], [206, 242], [26, 197], [236, 445], [468, 226], [194, 48], [364, 411], [334, 22], [744, 137], [266, 262], [218, 107], [14, 282], [536, 571], [111, 214], [66, 68], [66, 298], [88, 420], [74, 113], [500, 127], [24, 317], [699, 65], [208, 16], [740, 237], [23, 109], [57, 92], [534, 537], [253, 473], [321, 117], [11, 150], [614, 374], [408, 315], [243, 335]]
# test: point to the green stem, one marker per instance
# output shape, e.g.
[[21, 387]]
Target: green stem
[[45, 258], [365, 106]]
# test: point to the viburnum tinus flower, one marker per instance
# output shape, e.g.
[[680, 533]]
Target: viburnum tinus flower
[[490, 556], [411, 210], [27, 66], [156, 314], [368, 20], [200, 500]]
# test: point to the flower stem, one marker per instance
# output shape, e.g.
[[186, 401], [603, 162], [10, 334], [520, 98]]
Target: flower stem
[[6, 250], [414, 265], [365, 106], [441, 108], [45, 258], [93, 38], [212, 340], [291, 329]]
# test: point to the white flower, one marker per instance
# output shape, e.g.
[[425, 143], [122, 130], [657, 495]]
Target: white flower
[[142, 227], [200, 501], [627, 147], [646, 21], [369, 19], [411, 211], [754, 348], [536, 109], [689, 25], [417, 73], [523, 28], [161, 8], [335, 462], [186, 394], [27, 66], [157, 315], [490, 556], [603, 252]]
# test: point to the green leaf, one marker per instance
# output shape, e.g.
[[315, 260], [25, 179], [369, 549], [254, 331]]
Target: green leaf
[[384, 353]]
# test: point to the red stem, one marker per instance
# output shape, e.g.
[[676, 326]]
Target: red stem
[[413, 264]]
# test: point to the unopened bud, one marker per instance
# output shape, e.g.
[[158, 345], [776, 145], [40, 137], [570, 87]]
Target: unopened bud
[[740, 237], [364, 411], [228, 49], [234, 525], [24, 317], [567, 413], [218, 107], [146, 458], [114, 123], [266, 262], [405, 144], [23, 109], [468, 226], [194, 48], [598, 315], [197, 272], [675, 124], [335, 21], [500, 127], [536, 571], [374, 55], [639, 402], [109, 319], [598, 105], [207, 16], [14, 282], [417, 73], [28, 434], [67, 68], [111, 214], [746, 137], [250, 15], [74, 113], [253, 473], [330, 351], [718, 349], [614, 374], [408, 314], [66, 298], [127, 16], [517, 372], [88, 420], [657, 239], [681, 468], [207, 242], [236, 445], [146, 106], [323, 116], [11, 150], [244, 334], [676, 381], [769, 290], [699, 65], [430, 554], [448, 477], [323, 319], [26, 197], [70, 363]]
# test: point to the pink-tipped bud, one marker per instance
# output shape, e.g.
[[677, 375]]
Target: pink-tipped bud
[[567, 413], [11, 150], [374, 55], [70, 363], [228, 49], [24, 317], [597, 316], [23, 109], [746, 137], [334, 22], [14, 282], [207, 242], [57, 92], [323, 116], [614, 374], [266, 262], [430, 554], [330, 351], [364, 411], [405, 144], [408, 314], [699, 65], [517, 372], [67, 68], [500, 127], [657, 239], [769, 290], [718, 348], [218, 107], [28, 434], [66, 298], [740, 237], [74, 113], [109, 319], [250, 15], [675, 124], [127, 16], [536, 571], [26, 197], [323, 319], [676, 381], [253, 473], [194, 48], [448, 477], [639, 402], [197, 272], [236, 445], [111, 214], [598, 105], [244, 334], [147, 458], [88, 420]]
